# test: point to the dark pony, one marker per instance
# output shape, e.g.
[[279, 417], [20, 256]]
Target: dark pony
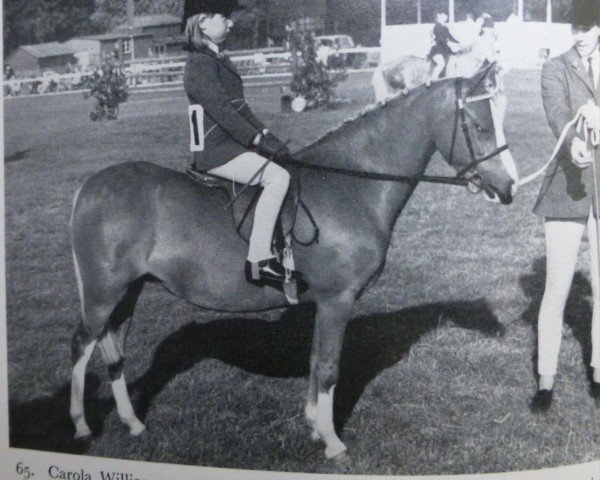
[[137, 222]]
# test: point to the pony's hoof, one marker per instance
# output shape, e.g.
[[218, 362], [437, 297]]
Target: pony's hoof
[[82, 434], [343, 461], [335, 451], [136, 429]]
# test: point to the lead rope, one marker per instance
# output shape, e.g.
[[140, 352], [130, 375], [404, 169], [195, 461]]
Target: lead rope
[[596, 214], [578, 121]]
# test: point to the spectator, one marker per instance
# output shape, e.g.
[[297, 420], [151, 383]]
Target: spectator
[[570, 84]]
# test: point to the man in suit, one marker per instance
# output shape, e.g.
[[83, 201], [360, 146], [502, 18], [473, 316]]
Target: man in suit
[[568, 197], [226, 138]]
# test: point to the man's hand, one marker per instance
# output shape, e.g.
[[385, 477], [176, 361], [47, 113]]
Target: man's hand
[[591, 114], [581, 155]]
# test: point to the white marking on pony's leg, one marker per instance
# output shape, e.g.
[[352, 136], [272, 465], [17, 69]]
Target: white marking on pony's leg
[[324, 425], [77, 393], [311, 413], [310, 409], [124, 407]]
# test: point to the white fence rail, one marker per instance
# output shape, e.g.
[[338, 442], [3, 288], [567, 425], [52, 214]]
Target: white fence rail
[[170, 71]]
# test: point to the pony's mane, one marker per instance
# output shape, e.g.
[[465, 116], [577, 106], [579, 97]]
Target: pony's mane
[[373, 108]]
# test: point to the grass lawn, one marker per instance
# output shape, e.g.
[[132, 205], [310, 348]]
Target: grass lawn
[[438, 364]]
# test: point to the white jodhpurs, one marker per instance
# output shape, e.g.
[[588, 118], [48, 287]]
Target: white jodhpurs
[[563, 237], [275, 181], [438, 66]]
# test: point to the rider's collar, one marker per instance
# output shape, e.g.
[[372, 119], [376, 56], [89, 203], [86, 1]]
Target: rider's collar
[[212, 45]]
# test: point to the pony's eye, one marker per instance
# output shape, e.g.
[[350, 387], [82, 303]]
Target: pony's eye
[[480, 128]]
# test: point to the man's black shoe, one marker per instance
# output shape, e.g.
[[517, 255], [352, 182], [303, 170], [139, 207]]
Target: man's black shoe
[[595, 392], [267, 270], [541, 401]]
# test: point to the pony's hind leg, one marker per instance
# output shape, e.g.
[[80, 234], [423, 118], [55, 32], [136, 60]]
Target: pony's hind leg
[[82, 347], [105, 321], [113, 356], [112, 346]]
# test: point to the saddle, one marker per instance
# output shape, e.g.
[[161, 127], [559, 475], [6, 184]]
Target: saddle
[[243, 201]]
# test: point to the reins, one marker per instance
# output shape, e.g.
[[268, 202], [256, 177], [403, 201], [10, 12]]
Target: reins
[[473, 182], [373, 175]]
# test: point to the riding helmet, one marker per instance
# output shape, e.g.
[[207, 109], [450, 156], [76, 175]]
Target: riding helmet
[[194, 7], [585, 13]]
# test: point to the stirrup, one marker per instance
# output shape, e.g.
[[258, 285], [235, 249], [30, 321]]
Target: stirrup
[[268, 270]]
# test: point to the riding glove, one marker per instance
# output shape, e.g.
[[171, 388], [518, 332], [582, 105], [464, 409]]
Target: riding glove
[[270, 146]]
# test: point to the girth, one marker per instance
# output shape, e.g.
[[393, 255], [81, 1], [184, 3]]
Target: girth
[[243, 200]]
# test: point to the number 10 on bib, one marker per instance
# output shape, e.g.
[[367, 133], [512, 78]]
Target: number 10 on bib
[[196, 119]]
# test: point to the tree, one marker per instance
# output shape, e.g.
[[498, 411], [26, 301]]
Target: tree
[[310, 78], [110, 13], [35, 21]]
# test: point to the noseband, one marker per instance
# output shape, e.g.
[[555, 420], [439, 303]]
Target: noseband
[[474, 180]]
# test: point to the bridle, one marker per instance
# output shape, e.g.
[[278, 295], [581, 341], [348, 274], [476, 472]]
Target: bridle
[[469, 172], [465, 177]]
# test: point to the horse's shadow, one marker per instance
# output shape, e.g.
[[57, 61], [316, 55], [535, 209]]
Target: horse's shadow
[[273, 348], [44, 423], [578, 312], [17, 156]]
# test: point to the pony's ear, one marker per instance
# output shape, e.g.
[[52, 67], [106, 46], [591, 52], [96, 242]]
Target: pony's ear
[[485, 79]]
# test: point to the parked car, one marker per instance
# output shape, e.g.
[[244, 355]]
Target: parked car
[[335, 41], [328, 47]]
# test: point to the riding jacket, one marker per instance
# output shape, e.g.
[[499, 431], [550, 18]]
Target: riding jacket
[[567, 191], [222, 126], [441, 37]]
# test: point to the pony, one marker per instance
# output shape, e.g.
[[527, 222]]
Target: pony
[[137, 222], [410, 71]]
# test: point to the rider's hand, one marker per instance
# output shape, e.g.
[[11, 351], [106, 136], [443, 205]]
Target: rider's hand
[[581, 155], [271, 147], [591, 114]]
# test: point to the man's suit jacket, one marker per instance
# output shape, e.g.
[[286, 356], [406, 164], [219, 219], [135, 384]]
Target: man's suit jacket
[[222, 126], [567, 191]]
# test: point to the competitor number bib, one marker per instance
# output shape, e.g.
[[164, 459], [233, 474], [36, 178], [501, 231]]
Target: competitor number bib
[[196, 119]]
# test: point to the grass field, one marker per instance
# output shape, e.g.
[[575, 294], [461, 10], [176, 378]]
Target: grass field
[[438, 364]]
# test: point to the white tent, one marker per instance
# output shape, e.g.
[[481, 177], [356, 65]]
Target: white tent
[[525, 44], [451, 11]]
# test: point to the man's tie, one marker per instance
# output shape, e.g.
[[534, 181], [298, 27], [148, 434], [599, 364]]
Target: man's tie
[[591, 71]]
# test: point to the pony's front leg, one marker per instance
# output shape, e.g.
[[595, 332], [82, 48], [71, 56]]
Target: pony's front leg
[[330, 325], [310, 409]]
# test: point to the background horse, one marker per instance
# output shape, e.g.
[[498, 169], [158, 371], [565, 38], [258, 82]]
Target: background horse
[[411, 71], [137, 222]]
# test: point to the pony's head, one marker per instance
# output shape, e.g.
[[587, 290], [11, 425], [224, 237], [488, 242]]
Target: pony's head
[[470, 135]]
